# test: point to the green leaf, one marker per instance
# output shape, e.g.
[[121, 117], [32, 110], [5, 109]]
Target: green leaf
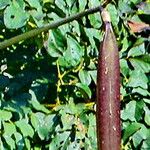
[[43, 124], [144, 8], [141, 63], [146, 100], [95, 18], [124, 67], [59, 140], [84, 77], [93, 75], [124, 6], [129, 112], [85, 89], [82, 4], [5, 115], [147, 115], [137, 50], [146, 144], [130, 130], [67, 120], [92, 127], [9, 128], [56, 43], [92, 34], [10, 142], [36, 105], [72, 55], [27, 143], [113, 14], [140, 135], [125, 44], [36, 11], [34, 121], [19, 140], [25, 128], [138, 79], [139, 110], [141, 91], [4, 3], [15, 16]]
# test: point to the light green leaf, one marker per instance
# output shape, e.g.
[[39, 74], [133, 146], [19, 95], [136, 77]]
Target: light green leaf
[[43, 124], [27, 143], [146, 100], [5, 115], [9, 128], [59, 140], [72, 55], [15, 16], [95, 20], [82, 4], [138, 79], [34, 121], [146, 144], [25, 128], [141, 63], [125, 44], [113, 14], [84, 77], [124, 67], [4, 3], [124, 6], [137, 50], [141, 91], [93, 75], [129, 112], [147, 115]]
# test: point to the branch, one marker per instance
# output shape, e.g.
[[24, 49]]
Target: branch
[[53, 25]]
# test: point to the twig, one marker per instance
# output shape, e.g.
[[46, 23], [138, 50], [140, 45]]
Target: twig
[[53, 25]]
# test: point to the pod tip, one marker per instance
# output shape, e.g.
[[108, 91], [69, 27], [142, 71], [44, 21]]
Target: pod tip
[[105, 16]]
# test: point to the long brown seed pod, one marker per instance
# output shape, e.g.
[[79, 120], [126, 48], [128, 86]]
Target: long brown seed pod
[[108, 91]]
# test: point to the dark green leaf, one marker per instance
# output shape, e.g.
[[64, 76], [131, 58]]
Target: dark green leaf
[[85, 89]]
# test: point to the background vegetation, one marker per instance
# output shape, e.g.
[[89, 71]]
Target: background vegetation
[[48, 83]]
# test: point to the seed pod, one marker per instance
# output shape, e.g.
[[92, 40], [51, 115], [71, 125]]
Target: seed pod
[[108, 91]]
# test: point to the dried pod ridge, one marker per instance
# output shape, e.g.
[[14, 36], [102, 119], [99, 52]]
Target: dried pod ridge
[[108, 91]]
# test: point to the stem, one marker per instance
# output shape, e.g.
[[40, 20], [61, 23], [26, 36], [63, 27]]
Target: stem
[[53, 25]]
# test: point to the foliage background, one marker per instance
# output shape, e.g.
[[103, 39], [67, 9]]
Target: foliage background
[[48, 83]]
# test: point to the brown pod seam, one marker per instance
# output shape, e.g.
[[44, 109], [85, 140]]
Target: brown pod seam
[[108, 93]]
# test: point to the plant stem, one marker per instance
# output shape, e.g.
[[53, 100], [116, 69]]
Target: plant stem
[[53, 25]]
